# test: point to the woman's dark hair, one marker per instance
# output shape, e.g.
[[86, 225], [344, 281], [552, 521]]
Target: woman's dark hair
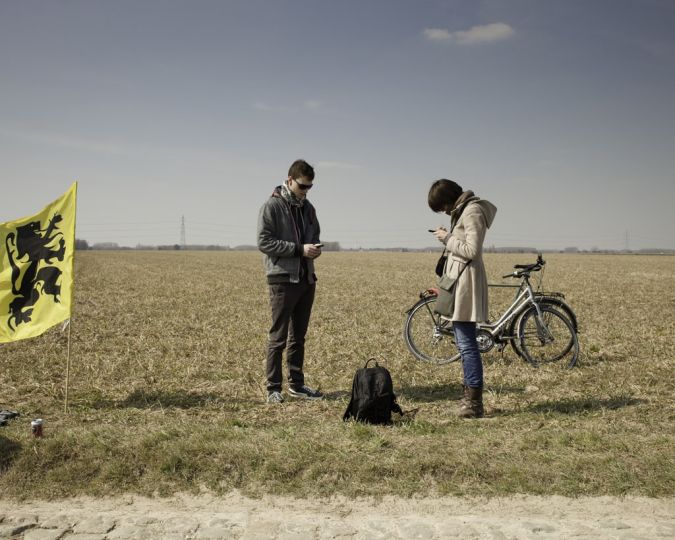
[[301, 168], [443, 195]]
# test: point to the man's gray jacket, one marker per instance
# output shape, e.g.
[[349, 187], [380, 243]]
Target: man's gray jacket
[[281, 239]]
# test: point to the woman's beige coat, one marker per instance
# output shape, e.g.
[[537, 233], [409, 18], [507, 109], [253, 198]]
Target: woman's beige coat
[[464, 244]]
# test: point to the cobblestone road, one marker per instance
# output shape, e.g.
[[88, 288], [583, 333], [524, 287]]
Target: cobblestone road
[[237, 517]]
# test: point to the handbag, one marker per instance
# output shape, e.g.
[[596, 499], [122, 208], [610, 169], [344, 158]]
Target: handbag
[[447, 286], [440, 265]]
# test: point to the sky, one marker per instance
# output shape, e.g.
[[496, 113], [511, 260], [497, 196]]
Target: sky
[[561, 113]]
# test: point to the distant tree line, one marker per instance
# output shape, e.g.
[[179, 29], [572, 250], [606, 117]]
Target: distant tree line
[[82, 245]]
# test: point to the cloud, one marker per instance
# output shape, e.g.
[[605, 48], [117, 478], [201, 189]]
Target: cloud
[[312, 104], [488, 33], [437, 34]]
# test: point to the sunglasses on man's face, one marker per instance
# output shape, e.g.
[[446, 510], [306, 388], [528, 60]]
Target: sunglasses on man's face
[[303, 187]]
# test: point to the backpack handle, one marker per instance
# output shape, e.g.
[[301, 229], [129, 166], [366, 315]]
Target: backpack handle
[[371, 360]]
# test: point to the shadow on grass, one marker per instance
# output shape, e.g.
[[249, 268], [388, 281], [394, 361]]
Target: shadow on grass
[[576, 406], [177, 399], [8, 451], [337, 395], [428, 394], [592, 359]]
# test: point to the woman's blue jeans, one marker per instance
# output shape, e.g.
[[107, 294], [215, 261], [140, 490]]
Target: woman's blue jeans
[[465, 336]]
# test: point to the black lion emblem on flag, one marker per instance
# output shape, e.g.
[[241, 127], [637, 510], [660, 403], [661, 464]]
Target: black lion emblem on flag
[[40, 276]]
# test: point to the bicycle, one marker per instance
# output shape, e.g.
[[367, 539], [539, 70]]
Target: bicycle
[[541, 327]]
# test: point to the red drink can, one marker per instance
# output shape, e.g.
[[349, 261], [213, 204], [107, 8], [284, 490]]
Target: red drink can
[[36, 427]]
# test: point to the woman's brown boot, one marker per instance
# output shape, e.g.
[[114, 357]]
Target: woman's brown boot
[[472, 404]]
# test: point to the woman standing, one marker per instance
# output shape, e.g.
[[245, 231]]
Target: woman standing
[[470, 218]]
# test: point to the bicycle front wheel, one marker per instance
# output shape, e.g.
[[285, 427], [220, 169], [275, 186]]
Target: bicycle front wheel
[[429, 337], [549, 338], [557, 305]]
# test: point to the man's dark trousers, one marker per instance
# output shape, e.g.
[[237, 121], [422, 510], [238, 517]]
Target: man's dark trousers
[[291, 309]]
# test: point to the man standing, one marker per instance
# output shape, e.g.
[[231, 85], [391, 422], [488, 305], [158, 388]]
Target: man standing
[[288, 235]]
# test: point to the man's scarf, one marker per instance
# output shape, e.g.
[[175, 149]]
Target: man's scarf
[[290, 197]]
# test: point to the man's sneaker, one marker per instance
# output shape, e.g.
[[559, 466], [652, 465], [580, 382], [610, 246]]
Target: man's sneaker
[[275, 397], [305, 392]]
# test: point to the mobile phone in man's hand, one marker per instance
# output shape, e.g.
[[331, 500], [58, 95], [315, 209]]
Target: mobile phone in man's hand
[[318, 245]]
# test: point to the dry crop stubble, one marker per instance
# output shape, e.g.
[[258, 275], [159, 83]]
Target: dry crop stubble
[[167, 390]]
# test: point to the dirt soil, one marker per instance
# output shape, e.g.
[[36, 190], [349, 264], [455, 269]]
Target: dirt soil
[[235, 516]]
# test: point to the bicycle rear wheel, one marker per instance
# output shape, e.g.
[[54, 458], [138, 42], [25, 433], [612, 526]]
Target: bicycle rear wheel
[[549, 339], [429, 337]]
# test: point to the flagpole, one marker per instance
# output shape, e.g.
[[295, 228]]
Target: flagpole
[[70, 326], [72, 287]]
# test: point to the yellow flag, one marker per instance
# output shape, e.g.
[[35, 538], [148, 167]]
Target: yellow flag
[[36, 269]]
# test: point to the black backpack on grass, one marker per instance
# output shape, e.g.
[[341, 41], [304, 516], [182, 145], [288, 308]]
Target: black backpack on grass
[[373, 399]]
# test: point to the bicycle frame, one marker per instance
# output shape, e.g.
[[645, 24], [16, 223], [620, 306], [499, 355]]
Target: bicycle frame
[[524, 297]]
